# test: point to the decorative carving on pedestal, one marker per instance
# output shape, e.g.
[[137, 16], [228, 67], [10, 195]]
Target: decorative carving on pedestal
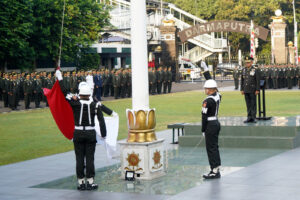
[[141, 125]]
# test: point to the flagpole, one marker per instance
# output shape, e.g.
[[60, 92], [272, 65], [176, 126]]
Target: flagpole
[[295, 34], [252, 38], [61, 35]]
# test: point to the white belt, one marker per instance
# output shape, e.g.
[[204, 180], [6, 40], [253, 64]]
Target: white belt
[[84, 127], [211, 118]]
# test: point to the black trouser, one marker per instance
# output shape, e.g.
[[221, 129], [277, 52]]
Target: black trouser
[[112, 92], [85, 145], [275, 83], [106, 90], [212, 146], [27, 101], [165, 84], [123, 90], [290, 83], [251, 105], [116, 91], [236, 83], [37, 99], [13, 101], [169, 86], [154, 87], [129, 90], [5, 99], [159, 85]]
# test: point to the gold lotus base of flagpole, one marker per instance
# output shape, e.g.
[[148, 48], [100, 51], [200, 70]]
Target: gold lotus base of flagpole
[[141, 125]]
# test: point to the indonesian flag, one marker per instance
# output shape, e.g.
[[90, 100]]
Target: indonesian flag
[[252, 42], [61, 110]]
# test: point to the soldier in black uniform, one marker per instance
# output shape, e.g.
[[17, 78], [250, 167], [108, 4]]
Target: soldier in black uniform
[[5, 90], [274, 76], [210, 124], [250, 87], [38, 91], [165, 79], [84, 110], [27, 88], [13, 92], [159, 80], [169, 79], [123, 88], [106, 78], [111, 84], [116, 84], [1, 85], [154, 88], [129, 82], [150, 79], [236, 76], [73, 83]]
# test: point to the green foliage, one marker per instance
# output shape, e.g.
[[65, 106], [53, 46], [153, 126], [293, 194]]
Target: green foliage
[[16, 20], [89, 61], [30, 29]]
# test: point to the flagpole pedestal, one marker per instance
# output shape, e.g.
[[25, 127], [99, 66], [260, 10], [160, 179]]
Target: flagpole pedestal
[[146, 159]]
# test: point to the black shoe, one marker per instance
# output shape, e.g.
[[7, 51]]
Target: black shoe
[[247, 121], [252, 121], [212, 175], [81, 187], [92, 186]]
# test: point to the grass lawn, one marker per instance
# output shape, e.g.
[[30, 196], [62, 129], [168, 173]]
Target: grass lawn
[[26, 135]]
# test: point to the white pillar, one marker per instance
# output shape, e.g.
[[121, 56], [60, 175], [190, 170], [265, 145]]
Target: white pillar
[[220, 58], [240, 57], [139, 60]]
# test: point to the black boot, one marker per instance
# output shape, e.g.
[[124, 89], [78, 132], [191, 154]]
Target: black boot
[[213, 174], [91, 185], [81, 185]]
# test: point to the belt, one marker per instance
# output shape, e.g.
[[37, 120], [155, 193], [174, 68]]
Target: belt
[[212, 118], [84, 127]]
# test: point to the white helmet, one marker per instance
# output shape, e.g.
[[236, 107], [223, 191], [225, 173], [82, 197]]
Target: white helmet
[[210, 84], [84, 89]]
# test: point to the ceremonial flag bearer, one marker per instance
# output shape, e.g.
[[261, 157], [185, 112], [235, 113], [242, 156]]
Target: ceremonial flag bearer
[[84, 111], [210, 124]]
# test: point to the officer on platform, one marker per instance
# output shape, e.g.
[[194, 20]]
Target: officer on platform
[[250, 86]]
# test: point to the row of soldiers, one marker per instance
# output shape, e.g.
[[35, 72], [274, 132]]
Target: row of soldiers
[[116, 83], [275, 76], [160, 79], [28, 87]]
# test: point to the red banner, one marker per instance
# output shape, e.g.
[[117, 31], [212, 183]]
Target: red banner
[[61, 110]]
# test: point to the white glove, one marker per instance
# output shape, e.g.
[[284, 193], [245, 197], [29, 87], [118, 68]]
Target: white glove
[[203, 133], [204, 66], [114, 114], [58, 75]]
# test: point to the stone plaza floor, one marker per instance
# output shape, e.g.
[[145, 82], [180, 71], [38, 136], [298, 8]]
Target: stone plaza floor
[[246, 174]]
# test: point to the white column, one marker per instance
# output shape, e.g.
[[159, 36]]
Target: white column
[[220, 58], [139, 60], [240, 57]]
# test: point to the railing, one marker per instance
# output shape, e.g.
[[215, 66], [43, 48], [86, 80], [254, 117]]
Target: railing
[[196, 54]]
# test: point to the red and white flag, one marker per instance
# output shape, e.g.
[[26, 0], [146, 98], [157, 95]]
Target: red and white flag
[[252, 40], [61, 110]]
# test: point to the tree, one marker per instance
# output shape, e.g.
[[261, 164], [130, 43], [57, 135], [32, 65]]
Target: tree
[[15, 29], [260, 11], [83, 21]]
